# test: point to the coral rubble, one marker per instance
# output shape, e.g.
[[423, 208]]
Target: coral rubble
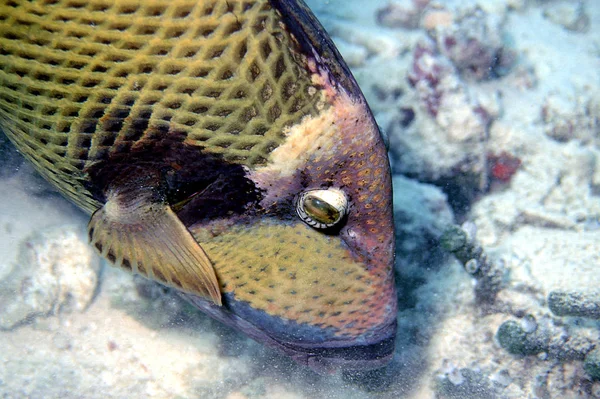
[[56, 271]]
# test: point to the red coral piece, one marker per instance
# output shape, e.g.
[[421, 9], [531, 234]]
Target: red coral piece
[[503, 166]]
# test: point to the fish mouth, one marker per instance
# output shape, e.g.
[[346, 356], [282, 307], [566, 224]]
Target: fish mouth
[[345, 355], [323, 357]]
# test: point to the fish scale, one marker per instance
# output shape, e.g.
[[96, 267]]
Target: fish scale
[[332, 295], [84, 80]]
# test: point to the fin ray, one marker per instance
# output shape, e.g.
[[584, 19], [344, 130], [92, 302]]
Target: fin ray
[[147, 238]]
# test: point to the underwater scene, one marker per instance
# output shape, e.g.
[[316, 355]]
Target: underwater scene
[[247, 199]]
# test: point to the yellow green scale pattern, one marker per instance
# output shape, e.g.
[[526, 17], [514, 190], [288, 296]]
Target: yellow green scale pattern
[[287, 271], [81, 80]]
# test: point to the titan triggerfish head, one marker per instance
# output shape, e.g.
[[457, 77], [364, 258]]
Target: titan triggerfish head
[[222, 148]]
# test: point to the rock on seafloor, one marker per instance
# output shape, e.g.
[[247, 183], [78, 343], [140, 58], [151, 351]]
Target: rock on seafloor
[[570, 15], [56, 271]]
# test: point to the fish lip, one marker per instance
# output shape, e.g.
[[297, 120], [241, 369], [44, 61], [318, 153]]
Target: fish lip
[[357, 354], [347, 355]]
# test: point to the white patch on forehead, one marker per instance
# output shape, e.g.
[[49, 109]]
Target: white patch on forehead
[[342, 126], [315, 135]]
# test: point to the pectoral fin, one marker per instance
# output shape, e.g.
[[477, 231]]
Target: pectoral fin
[[141, 234]]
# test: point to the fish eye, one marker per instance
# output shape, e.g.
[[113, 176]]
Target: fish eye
[[322, 209]]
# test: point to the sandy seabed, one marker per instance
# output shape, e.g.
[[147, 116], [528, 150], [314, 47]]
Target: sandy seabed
[[492, 109]]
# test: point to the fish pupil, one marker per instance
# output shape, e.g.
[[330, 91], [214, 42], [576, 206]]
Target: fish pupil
[[320, 210]]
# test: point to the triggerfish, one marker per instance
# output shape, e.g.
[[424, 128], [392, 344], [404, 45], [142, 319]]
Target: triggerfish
[[222, 148]]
